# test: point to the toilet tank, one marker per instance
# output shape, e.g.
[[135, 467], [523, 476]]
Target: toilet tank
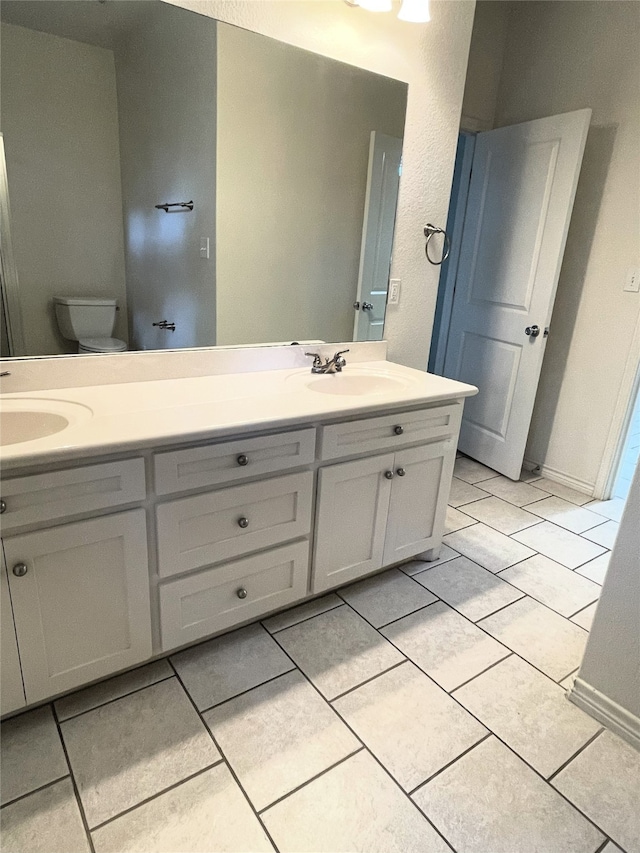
[[85, 316]]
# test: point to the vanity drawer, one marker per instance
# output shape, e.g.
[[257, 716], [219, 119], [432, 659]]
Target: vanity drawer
[[368, 435], [180, 470], [202, 604], [61, 494], [204, 529]]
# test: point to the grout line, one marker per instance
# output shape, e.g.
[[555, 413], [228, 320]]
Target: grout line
[[575, 755], [312, 779], [482, 672], [76, 791], [35, 790], [604, 844], [591, 603], [573, 672], [498, 609], [156, 795], [115, 698], [226, 761], [243, 692], [393, 621], [306, 619], [449, 764], [368, 681]]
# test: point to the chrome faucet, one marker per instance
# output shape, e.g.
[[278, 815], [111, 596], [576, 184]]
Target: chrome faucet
[[333, 365]]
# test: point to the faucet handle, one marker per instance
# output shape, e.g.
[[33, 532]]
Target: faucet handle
[[342, 352], [317, 361]]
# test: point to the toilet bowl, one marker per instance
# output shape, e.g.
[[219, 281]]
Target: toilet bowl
[[89, 320], [101, 345]]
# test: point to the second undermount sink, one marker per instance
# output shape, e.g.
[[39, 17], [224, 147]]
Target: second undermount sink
[[351, 383], [32, 418]]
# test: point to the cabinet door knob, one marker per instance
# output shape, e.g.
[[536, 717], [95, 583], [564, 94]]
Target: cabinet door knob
[[20, 570], [388, 475], [398, 430], [3, 506], [243, 523], [241, 593], [400, 472], [242, 460]]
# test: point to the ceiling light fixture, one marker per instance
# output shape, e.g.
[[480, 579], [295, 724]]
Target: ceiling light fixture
[[414, 11], [375, 5]]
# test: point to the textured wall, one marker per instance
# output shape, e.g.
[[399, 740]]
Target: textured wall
[[432, 58]]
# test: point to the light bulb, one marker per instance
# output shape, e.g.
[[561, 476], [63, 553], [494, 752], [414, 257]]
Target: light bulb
[[414, 11], [375, 5]]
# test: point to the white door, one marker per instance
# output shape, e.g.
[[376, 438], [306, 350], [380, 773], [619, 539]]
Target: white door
[[11, 689], [353, 502], [80, 595], [385, 153], [520, 200]]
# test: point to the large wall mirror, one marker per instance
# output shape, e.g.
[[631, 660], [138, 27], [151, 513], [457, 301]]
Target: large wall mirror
[[280, 168]]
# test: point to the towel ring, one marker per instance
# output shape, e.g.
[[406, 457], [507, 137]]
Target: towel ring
[[429, 231]]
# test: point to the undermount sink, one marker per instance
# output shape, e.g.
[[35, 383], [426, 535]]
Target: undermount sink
[[351, 384], [33, 418]]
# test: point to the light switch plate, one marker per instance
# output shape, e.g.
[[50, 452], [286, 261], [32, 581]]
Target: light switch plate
[[204, 248], [632, 281], [394, 291]]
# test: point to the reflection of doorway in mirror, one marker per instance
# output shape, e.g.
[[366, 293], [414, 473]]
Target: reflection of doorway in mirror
[[383, 177]]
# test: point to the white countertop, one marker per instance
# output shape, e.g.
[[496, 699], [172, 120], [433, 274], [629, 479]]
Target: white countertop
[[125, 416]]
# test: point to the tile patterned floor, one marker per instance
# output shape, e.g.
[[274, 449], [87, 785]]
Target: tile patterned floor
[[419, 710]]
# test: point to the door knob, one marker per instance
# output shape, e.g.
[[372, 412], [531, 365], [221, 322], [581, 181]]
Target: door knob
[[532, 331], [20, 570], [388, 475], [400, 472], [243, 523], [367, 306]]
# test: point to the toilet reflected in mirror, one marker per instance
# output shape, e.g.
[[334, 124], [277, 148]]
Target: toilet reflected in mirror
[[90, 321]]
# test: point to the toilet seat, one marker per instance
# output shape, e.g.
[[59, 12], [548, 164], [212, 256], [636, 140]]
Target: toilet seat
[[101, 345]]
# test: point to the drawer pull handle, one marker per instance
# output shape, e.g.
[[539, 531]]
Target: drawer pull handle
[[388, 475], [20, 570], [242, 459], [243, 523], [242, 592], [398, 430], [3, 506], [401, 472]]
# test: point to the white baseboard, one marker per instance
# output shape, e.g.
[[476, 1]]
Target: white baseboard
[[560, 477], [621, 721]]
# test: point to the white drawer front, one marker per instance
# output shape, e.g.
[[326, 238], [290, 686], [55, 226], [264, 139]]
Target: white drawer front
[[194, 607], [197, 531], [368, 435], [61, 494], [180, 470]]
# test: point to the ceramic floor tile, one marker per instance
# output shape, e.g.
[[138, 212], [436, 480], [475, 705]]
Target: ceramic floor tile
[[501, 515], [489, 800], [470, 589], [529, 712], [471, 471], [488, 548], [567, 683], [529, 476], [610, 847], [302, 611], [585, 617], [463, 493], [604, 782], [206, 813], [338, 650], [219, 669], [354, 807], [456, 520], [31, 753], [596, 569], [383, 598], [604, 535], [413, 567], [559, 544], [562, 491], [552, 584], [47, 821], [409, 723], [548, 641], [278, 736], [113, 688], [513, 491], [444, 644], [133, 748], [577, 519], [609, 509]]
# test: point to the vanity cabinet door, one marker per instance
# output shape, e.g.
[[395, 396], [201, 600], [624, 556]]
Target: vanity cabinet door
[[353, 501], [11, 689], [80, 595], [421, 480]]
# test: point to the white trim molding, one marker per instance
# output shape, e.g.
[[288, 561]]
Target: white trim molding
[[604, 709], [559, 477]]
